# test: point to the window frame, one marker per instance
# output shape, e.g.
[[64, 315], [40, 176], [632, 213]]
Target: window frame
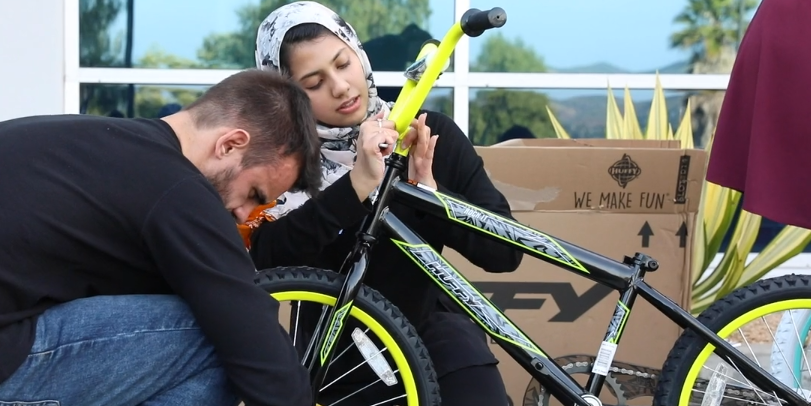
[[461, 81]]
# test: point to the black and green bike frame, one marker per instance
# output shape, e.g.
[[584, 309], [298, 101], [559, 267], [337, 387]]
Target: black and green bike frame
[[626, 277]]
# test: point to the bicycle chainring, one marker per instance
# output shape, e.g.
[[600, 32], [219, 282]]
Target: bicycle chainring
[[625, 381], [628, 381]]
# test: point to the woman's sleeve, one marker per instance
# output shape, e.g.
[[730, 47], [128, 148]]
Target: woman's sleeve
[[300, 235], [468, 181]]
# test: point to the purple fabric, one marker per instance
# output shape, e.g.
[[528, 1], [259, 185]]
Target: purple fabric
[[762, 142]]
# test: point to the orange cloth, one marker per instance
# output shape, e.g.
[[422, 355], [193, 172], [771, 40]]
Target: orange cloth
[[255, 219]]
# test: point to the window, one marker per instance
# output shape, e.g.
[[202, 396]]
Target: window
[[128, 100], [621, 36], [555, 55], [500, 114], [154, 101], [221, 34]]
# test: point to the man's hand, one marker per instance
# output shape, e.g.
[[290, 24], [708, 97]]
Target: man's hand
[[369, 166]]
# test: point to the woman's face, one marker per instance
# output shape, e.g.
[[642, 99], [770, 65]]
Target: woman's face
[[332, 75]]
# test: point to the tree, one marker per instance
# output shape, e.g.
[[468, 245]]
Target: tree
[[712, 30], [370, 18], [156, 58], [150, 99], [98, 48], [493, 112], [500, 54]]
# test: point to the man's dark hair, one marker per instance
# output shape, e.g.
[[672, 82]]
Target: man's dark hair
[[295, 35], [275, 111]]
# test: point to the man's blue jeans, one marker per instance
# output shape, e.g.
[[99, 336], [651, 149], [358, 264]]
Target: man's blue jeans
[[119, 350]]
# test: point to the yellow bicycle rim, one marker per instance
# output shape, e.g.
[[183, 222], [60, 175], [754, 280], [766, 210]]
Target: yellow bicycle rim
[[372, 324], [764, 310]]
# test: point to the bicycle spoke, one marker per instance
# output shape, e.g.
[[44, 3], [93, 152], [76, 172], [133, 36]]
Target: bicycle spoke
[[350, 371], [739, 387], [779, 348], [367, 331], [295, 330], [744, 385], [801, 343], [358, 391], [757, 361], [311, 344], [388, 400], [346, 349], [734, 398]]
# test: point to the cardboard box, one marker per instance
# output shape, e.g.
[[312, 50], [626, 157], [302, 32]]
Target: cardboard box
[[616, 198]]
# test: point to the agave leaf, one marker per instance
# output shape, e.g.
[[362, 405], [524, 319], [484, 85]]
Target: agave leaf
[[701, 304], [613, 118], [720, 206], [710, 293], [685, 131], [559, 130], [657, 117], [789, 242], [715, 215], [719, 210], [713, 280], [631, 122], [746, 231], [699, 246], [699, 254], [700, 301], [710, 284]]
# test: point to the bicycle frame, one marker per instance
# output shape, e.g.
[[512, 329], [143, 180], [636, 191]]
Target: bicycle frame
[[626, 277]]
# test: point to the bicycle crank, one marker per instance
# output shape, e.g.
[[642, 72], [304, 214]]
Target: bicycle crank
[[628, 381], [625, 381]]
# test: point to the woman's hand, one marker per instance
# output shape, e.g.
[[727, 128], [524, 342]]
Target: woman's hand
[[369, 166], [421, 154]]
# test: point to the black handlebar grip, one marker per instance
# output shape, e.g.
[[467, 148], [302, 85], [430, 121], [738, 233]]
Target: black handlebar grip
[[474, 22]]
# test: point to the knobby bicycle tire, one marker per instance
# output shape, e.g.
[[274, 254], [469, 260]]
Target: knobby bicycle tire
[[287, 282], [759, 298]]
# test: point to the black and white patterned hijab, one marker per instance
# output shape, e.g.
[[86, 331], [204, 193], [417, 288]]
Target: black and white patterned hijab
[[338, 144]]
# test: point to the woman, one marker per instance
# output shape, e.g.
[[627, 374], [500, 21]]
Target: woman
[[316, 48], [762, 142]]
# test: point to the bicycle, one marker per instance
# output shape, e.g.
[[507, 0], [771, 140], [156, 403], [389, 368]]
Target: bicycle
[[346, 295]]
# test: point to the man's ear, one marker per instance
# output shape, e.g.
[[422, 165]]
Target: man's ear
[[232, 142]]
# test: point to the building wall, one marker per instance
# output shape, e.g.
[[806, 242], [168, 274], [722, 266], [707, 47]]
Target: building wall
[[32, 57], [39, 77]]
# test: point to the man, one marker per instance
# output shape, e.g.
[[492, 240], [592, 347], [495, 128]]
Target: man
[[122, 279]]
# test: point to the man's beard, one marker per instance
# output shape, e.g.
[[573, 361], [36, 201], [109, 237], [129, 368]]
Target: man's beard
[[221, 181]]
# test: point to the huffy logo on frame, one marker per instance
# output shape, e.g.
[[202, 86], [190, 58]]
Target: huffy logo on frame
[[624, 171]]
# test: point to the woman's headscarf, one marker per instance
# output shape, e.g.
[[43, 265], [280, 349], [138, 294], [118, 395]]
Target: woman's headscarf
[[338, 146]]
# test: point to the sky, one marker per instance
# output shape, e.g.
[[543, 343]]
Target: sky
[[631, 34]]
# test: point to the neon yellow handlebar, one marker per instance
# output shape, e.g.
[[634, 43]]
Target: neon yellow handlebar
[[473, 23]]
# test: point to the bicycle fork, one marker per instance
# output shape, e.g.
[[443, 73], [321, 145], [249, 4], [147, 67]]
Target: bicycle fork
[[330, 328]]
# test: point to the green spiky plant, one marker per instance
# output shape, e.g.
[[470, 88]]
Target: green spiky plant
[[716, 212]]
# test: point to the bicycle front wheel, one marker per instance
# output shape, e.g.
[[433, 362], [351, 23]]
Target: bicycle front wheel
[[694, 375], [401, 373]]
